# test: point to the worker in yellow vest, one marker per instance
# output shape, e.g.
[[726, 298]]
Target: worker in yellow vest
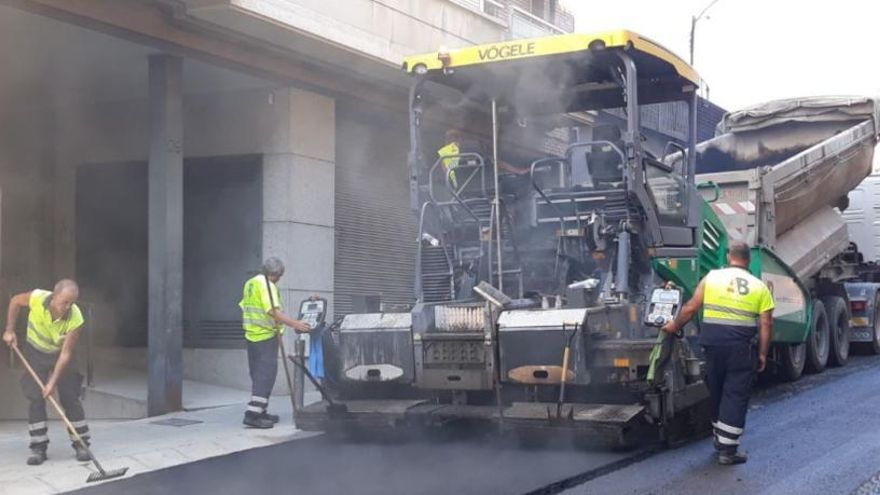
[[456, 145], [737, 314], [263, 321], [53, 328]]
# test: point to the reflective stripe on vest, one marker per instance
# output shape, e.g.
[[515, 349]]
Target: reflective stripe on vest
[[255, 306], [450, 164], [45, 333], [733, 296]]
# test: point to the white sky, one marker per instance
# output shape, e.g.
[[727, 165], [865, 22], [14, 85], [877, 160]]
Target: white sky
[[750, 51]]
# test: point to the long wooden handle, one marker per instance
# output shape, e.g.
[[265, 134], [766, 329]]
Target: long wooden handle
[[287, 375], [55, 404], [565, 356]]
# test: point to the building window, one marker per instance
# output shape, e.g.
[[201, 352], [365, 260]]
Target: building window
[[493, 7], [538, 8]]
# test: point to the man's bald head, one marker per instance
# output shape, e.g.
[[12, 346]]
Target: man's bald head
[[739, 254], [64, 295], [67, 286]]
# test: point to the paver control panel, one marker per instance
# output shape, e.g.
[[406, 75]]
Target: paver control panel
[[663, 307], [313, 312]]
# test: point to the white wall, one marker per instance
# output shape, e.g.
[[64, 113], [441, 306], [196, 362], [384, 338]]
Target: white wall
[[384, 31]]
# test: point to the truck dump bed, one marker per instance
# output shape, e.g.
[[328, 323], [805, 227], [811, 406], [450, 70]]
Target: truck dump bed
[[783, 172]]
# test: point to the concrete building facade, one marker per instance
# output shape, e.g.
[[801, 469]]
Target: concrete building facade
[[157, 150]]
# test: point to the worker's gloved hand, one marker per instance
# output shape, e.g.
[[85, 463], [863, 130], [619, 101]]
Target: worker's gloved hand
[[10, 339]]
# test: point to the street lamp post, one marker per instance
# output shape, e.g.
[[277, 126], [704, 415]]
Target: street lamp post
[[694, 20]]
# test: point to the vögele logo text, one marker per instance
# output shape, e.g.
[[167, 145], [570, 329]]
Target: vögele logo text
[[507, 51]]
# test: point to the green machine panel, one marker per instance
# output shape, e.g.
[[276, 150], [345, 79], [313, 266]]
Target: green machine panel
[[791, 318]]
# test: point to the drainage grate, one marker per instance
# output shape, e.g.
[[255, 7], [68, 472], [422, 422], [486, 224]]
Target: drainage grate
[[178, 422]]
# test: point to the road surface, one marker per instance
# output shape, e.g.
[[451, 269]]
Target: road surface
[[820, 435]]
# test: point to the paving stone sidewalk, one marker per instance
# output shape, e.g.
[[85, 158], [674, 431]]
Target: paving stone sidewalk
[[143, 445]]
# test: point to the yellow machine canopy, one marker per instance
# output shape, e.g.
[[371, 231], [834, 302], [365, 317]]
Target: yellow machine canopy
[[565, 73]]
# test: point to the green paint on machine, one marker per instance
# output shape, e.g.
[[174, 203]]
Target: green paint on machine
[[794, 307], [791, 318], [711, 254]]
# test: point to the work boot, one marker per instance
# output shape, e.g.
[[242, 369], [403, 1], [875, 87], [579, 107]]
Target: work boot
[[82, 455], [37, 457], [257, 421], [729, 458], [271, 417]]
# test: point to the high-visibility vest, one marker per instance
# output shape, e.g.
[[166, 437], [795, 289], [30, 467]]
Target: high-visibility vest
[[733, 300], [255, 305], [45, 333], [449, 164]]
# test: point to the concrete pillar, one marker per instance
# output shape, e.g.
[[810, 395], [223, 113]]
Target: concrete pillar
[[298, 195], [165, 176]]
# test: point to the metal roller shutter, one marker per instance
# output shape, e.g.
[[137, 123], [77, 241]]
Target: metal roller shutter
[[375, 228]]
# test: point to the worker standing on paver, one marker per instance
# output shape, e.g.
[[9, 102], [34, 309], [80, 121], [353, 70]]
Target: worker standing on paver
[[456, 145], [53, 329], [737, 311], [263, 322]]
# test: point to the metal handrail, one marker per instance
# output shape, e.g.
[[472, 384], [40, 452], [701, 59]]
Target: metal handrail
[[419, 283], [589, 144], [674, 145], [459, 200], [479, 166], [537, 188]]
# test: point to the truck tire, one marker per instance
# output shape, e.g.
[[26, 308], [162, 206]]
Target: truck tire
[[838, 329], [818, 343], [792, 358]]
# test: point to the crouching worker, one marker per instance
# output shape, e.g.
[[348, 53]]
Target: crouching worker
[[263, 322], [53, 329]]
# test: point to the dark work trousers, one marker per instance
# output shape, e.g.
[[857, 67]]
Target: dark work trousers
[[730, 374], [263, 366], [69, 389]]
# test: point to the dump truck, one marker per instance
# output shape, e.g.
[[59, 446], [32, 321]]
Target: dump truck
[[780, 175], [540, 293]]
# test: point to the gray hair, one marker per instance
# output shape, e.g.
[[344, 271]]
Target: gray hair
[[65, 284], [273, 266]]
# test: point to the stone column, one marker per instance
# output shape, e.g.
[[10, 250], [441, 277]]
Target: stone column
[[165, 177], [298, 196]]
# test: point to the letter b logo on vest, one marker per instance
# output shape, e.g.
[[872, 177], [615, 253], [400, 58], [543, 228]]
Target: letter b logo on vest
[[739, 285]]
